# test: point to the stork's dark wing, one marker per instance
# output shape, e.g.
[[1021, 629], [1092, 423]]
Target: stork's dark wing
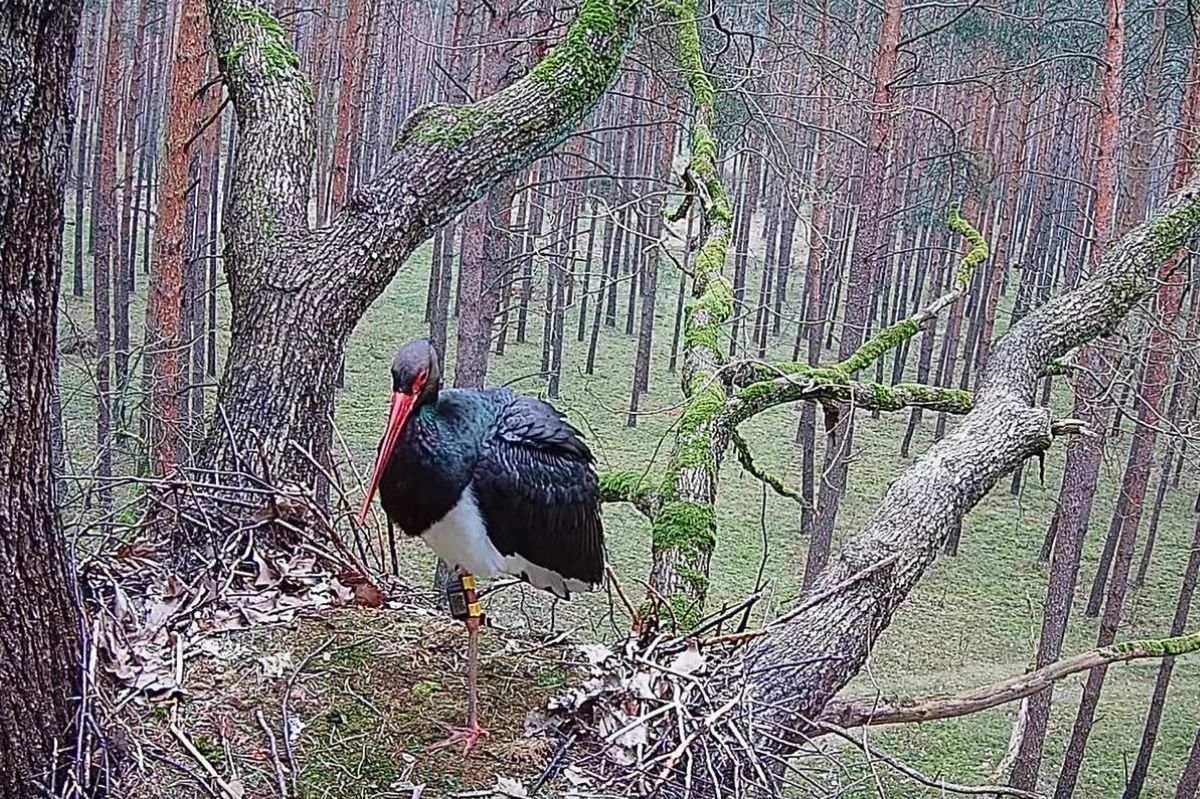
[[535, 484]]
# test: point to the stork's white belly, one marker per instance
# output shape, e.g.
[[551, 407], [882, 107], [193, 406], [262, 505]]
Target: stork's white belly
[[460, 538]]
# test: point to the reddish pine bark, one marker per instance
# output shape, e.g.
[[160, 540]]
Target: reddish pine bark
[[165, 325], [352, 61], [1109, 120], [123, 273], [1083, 464], [858, 289]]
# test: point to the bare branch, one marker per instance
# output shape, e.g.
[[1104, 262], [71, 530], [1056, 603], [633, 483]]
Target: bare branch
[[860, 713]]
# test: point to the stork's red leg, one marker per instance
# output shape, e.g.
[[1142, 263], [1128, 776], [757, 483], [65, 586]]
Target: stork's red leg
[[470, 734]]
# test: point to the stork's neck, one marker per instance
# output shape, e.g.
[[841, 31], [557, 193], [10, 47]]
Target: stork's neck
[[428, 397]]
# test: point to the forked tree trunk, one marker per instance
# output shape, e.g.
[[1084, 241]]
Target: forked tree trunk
[[39, 640], [276, 393]]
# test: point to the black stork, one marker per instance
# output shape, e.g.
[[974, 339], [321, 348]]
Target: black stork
[[494, 483]]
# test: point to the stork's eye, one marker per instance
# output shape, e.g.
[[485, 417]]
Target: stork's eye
[[421, 377]]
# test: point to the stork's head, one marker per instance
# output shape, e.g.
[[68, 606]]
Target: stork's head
[[416, 378], [416, 371]]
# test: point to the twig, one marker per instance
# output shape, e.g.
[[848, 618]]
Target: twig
[[834, 590], [283, 710], [552, 764], [616, 584], [199, 757], [709, 720], [856, 714], [183, 768], [733, 638], [276, 765]]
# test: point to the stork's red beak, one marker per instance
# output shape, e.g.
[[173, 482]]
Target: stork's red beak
[[401, 406]]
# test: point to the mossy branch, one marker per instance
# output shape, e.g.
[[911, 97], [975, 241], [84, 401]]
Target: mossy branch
[[853, 713], [630, 486], [575, 73], [746, 459], [683, 529], [799, 383], [976, 255], [892, 336]]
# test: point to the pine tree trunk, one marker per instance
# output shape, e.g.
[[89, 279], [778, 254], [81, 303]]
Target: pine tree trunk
[[1083, 456], [166, 327], [1006, 246], [748, 187], [673, 363], [352, 59], [39, 639], [585, 287], [660, 159], [1158, 700], [107, 246], [83, 131], [1189, 780], [839, 441]]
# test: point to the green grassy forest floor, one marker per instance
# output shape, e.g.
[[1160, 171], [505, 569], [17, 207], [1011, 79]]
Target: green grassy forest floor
[[973, 620]]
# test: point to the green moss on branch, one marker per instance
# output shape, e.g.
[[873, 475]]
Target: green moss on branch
[[746, 459], [1161, 647], [689, 527], [278, 54], [976, 255], [624, 486], [884, 341]]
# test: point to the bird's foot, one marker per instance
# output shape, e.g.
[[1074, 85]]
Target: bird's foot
[[467, 736]]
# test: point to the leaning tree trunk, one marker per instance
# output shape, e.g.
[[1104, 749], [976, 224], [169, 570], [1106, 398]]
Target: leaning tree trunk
[[39, 640], [297, 293], [857, 595]]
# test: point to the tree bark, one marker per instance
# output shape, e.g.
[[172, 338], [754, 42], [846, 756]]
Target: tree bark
[[106, 237], [1189, 780], [877, 567], [39, 640], [166, 354]]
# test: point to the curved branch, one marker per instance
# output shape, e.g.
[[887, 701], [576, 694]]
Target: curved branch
[[746, 459], [684, 529], [942, 786], [826, 386], [769, 385], [447, 156], [865, 713]]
